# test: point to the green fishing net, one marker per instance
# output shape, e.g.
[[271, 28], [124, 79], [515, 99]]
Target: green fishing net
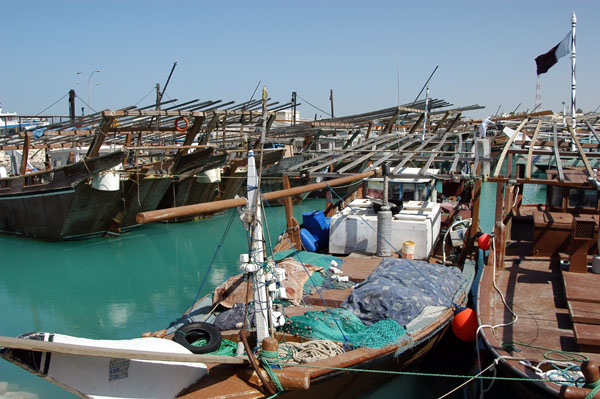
[[342, 325], [227, 347]]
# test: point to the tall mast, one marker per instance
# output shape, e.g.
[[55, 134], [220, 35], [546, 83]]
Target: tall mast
[[573, 107], [262, 301]]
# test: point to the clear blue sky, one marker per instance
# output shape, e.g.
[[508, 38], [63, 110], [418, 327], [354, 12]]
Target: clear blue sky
[[485, 51]]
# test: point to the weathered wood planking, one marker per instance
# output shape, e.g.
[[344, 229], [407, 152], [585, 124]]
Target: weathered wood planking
[[584, 312], [581, 287]]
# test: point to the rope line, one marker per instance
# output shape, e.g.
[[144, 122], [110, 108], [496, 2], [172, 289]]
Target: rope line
[[314, 106], [568, 356], [421, 374], [56, 102], [210, 265]]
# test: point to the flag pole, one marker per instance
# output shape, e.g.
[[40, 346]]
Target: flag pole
[[573, 108]]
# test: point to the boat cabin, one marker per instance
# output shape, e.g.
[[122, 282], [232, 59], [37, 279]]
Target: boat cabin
[[567, 224], [572, 199], [411, 187]]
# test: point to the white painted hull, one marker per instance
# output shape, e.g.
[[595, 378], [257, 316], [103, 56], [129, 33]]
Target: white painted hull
[[101, 377]]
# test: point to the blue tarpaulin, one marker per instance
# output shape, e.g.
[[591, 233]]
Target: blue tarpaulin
[[400, 288]]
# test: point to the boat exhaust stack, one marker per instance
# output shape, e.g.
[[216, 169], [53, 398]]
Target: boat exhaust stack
[[384, 219]]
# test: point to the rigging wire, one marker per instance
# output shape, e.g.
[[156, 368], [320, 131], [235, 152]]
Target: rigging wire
[[56, 102], [86, 104], [314, 106], [151, 90]]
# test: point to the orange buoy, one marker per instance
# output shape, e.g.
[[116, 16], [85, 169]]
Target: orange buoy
[[464, 325], [183, 128], [483, 241]]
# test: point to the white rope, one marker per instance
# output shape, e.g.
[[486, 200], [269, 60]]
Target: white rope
[[310, 351], [497, 325], [516, 197]]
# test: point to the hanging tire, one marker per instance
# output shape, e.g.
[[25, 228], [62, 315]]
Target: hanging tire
[[190, 333]]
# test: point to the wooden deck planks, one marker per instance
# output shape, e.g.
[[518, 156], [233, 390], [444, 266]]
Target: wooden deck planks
[[584, 312], [582, 287], [358, 268], [587, 334]]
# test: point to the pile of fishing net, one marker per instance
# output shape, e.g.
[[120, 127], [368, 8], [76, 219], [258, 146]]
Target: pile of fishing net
[[343, 326]]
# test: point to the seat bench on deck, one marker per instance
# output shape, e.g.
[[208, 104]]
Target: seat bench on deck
[[583, 299]]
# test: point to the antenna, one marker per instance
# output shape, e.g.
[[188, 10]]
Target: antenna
[[398, 77], [538, 93], [254, 92], [498, 110]]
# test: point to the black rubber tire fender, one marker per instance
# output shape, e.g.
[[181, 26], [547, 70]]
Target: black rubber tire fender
[[189, 333]]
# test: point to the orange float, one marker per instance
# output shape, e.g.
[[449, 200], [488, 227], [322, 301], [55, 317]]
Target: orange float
[[180, 128], [464, 325]]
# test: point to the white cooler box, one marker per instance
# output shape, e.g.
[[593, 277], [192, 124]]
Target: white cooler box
[[355, 228]]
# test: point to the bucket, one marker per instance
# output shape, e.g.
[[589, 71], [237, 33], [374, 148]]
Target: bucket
[[408, 250]]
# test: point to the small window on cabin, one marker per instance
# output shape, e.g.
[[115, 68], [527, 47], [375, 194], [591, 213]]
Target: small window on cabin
[[579, 198], [408, 192], [395, 191], [556, 199], [422, 191]]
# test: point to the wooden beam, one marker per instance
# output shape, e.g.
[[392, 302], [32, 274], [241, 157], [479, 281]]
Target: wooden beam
[[386, 144], [391, 154], [94, 351], [293, 228], [507, 146], [101, 131], [592, 130], [194, 130], [215, 206], [441, 121], [25, 156], [211, 125], [531, 146], [412, 154], [439, 145], [417, 123], [390, 122], [581, 153]]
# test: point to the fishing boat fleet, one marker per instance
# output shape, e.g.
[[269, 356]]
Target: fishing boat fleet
[[354, 293]]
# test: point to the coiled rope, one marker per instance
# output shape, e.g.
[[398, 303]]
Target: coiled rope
[[310, 351]]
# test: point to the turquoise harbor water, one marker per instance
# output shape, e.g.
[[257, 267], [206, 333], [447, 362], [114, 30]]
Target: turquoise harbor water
[[117, 288]]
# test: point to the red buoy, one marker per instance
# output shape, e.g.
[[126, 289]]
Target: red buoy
[[464, 325], [483, 241]]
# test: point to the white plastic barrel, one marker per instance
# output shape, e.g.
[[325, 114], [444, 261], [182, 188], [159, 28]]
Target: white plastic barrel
[[106, 181]]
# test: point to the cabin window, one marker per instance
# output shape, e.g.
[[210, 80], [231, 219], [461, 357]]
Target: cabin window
[[422, 192], [408, 192], [556, 197], [579, 198]]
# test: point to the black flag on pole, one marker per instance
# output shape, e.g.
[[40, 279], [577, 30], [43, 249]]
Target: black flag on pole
[[545, 61]]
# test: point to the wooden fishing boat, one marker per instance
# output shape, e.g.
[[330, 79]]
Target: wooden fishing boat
[[69, 202], [537, 296], [358, 311]]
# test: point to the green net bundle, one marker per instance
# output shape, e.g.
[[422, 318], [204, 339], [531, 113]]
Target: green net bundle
[[342, 325], [227, 347]]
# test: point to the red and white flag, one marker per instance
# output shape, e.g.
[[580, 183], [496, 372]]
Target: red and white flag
[[545, 61]]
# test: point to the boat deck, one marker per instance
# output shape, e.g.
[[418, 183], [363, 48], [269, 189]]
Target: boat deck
[[230, 381], [535, 289]]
